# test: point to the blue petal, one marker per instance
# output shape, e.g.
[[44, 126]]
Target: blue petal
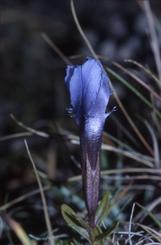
[[74, 84], [89, 89], [96, 90], [69, 73]]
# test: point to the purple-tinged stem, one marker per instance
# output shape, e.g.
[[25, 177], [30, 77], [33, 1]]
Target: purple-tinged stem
[[90, 153]]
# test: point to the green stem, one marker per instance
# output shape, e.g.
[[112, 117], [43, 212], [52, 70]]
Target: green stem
[[91, 235]]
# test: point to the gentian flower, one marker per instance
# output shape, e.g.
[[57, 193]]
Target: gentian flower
[[88, 86]]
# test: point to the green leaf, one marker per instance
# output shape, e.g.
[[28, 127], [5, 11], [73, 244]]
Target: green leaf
[[103, 208], [75, 242], [107, 233], [75, 222], [96, 232]]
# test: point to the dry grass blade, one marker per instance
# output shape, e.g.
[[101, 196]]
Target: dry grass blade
[[132, 170], [31, 130], [15, 136], [153, 243], [95, 56], [81, 30], [131, 178], [148, 161], [133, 155], [155, 145], [146, 241], [134, 90], [46, 214], [21, 198], [157, 96], [154, 39], [130, 224], [124, 130], [55, 48], [125, 233], [122, 171], [129, 152], [18, 230], [147, 71], [129, 119], [114, 140], [152, 232], [154, 116], [142, 215], [115, 94], [153, 204]]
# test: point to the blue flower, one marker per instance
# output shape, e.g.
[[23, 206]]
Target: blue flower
[[89, 89], [88, 85]]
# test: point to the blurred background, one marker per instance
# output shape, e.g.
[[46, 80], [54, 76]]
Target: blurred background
[[32, 89]]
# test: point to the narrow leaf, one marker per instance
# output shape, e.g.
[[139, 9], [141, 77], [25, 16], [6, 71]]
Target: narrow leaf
[[103, 208], [75, 222], [107, 232]]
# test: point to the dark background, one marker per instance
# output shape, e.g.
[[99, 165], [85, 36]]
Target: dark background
[[32, 74], [32, 87]]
